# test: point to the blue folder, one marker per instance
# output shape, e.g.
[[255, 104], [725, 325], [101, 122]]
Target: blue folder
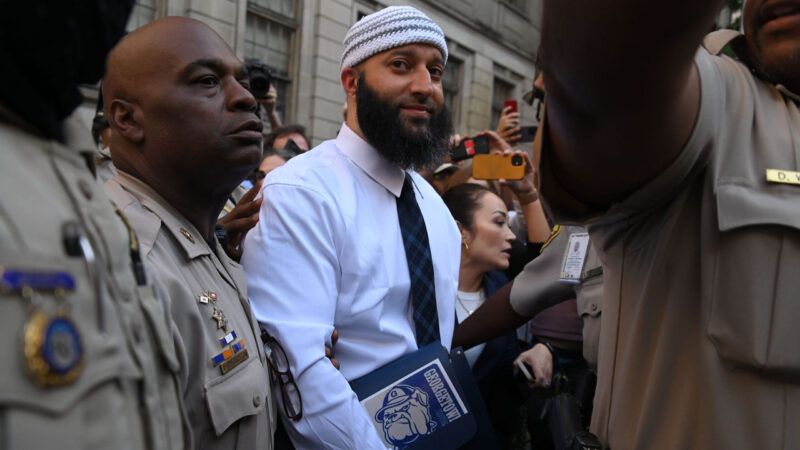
[[427, 399]]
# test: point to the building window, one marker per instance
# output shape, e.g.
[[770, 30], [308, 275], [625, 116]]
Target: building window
[[451, 85], [144, 11], [269, 34], [503, 90]]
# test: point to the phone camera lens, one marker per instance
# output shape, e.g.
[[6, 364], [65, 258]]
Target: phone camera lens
[[517, 160]]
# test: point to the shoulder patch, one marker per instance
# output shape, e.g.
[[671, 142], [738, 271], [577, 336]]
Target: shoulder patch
[[553, 234]]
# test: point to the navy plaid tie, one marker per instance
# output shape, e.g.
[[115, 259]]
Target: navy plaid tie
[[420, 265]]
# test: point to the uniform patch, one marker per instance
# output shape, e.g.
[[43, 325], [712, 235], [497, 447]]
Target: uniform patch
[[553, 234]]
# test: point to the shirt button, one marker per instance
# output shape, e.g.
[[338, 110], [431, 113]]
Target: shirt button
[[86, 189], [257, 401]]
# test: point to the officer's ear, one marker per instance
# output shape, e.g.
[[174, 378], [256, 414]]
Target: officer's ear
[[125, 118]]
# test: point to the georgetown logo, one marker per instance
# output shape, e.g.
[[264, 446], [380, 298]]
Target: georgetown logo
[[405, 415]]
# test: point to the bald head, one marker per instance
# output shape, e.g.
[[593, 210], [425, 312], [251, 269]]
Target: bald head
[[144, 56]]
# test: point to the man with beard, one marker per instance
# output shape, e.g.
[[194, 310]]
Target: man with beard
[[88, 363], [351, 237], [185, 134], [684, 162]]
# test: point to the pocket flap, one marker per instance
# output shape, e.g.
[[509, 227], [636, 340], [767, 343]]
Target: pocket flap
[[241, 393], [740, 206]]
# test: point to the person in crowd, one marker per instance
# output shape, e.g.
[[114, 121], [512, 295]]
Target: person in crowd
[[482, 218], [564, 314], [272, 159], [508, 126], [279, 138], [157, 75], [103, 167], [87, 362], [269, 106], [682, 164], [440, 177], [346, 215]]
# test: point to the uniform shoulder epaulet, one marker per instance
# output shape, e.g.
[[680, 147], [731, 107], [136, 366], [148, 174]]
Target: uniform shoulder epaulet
[[553, 234]]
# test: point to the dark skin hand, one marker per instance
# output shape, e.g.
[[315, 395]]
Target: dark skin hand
[[329, 350], [240, 220]]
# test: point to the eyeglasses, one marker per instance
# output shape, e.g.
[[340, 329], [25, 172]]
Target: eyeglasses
[[279, 364]]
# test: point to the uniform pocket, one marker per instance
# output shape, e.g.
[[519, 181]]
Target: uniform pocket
[[754, 306], [241, 393], [590, 304]]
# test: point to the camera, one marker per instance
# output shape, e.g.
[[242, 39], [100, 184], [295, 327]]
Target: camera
[[517, 160], [260, 77]]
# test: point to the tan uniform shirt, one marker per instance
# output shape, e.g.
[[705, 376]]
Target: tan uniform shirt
[[228, 403], [541, 281], [125, 395], [700, 338]]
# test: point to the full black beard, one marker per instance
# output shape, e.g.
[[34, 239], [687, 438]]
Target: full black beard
[[381, 124]]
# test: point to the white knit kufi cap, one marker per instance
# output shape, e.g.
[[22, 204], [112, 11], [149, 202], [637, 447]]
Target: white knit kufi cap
[[388, 28]]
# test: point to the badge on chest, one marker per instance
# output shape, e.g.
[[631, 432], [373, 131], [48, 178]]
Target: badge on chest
[[233, 348], [574, 258], [52, 344]]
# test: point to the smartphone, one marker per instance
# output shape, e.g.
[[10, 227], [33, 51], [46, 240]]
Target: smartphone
[[527, 133], [497, 167], [523, 368], [510, 103], [469, 147]]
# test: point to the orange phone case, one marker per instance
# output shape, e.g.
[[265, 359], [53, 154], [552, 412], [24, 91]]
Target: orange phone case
[[497, 167]]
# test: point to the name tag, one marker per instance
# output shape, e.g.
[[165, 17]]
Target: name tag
[[575, 258], [783, 176]]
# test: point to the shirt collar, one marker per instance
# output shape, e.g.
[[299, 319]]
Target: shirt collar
[[181, 229], [370, 161]]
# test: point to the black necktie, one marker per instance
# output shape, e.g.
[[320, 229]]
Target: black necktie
[[420, 265]]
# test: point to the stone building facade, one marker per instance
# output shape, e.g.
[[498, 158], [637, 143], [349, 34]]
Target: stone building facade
[[492, 44]]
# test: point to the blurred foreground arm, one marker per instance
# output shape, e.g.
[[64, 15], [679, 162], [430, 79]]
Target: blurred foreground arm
[[619, 108]]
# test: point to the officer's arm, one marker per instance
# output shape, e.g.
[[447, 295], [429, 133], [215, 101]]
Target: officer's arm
[[622, 90], [497, 317]]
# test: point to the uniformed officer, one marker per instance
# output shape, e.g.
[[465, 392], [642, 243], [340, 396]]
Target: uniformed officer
[[185, 133], [88, 362], [685, 165]]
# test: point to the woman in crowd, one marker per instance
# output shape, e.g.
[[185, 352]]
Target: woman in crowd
[[482, 217]]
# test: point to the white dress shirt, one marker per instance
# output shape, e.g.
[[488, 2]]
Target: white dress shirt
[[328, 253]]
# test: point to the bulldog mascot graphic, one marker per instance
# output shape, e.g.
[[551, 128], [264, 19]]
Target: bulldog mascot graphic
[[405, 415]]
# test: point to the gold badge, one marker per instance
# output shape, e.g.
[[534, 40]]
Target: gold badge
[[51, 343], [53, 349]]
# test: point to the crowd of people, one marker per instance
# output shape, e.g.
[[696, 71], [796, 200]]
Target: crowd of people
[[189, 280]]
